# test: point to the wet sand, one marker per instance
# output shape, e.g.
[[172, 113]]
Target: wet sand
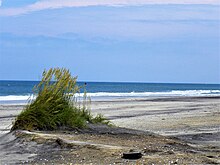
[[195, 120]]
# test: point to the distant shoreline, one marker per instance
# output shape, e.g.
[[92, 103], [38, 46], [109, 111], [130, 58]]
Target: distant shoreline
[[113, 99]]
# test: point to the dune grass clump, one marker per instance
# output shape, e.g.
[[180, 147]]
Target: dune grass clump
[[55, 106]]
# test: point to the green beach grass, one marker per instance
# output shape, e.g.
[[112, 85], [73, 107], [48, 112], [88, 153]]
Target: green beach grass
[[55, 106]]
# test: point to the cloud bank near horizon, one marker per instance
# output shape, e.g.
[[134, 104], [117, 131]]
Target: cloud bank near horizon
[[56, 4]]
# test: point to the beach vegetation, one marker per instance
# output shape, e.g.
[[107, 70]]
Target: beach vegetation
[[56, 105]]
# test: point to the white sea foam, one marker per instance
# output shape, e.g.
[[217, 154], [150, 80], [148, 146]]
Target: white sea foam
[[16, 97], [131, 94], [148, 94]]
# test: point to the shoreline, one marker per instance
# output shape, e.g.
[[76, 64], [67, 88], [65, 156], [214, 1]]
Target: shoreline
[[119, 98]]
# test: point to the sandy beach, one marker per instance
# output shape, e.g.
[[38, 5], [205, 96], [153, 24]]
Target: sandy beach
[[193, 120], [165, 116]]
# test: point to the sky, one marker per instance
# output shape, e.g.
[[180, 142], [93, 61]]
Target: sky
[[167, 41]]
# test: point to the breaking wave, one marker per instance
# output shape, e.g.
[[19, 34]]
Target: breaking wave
[[124, 95]]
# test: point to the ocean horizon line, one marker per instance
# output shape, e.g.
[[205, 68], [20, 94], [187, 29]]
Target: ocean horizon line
[[129, 82]]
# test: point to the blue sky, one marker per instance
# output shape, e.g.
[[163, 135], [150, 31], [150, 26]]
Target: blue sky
[[138, 41]]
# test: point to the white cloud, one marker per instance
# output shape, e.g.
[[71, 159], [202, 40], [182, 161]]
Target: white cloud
[[55, 4]]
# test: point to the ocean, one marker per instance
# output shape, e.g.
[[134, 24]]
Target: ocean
[[21, 91]]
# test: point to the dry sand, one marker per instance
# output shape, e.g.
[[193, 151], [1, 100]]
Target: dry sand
[[166, 116], [195, 120]]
